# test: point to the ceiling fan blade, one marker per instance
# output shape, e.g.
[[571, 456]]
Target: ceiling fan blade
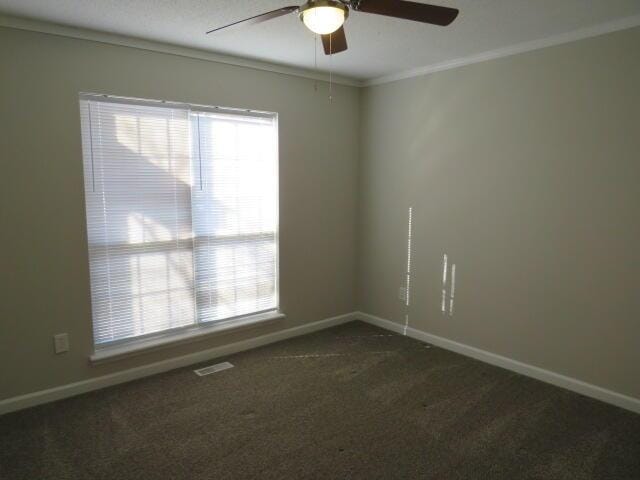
[[418, 12], [263, 17], [335, 42]]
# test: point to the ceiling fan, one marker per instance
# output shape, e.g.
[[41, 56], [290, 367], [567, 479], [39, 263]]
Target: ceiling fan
[[327, 17]]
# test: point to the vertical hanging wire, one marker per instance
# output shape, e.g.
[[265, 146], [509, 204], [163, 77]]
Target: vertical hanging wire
[[407, 293], [93, 170]]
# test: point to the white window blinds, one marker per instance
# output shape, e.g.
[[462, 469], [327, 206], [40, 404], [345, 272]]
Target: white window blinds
[[181, 215]]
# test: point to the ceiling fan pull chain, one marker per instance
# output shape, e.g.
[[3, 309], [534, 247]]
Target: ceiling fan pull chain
[[315, 60], [330, 69]]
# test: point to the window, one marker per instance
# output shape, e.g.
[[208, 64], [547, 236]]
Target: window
[[182, 215]]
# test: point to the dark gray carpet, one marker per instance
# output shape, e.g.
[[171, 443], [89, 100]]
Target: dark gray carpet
[[349, 402]]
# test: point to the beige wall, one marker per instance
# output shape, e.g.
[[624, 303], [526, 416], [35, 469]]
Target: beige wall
[[526, 172], [44, 285]]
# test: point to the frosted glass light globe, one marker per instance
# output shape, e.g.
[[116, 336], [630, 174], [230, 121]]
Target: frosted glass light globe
[[323, 19]]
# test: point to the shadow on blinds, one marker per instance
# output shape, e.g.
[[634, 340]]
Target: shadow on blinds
[[138, 223]]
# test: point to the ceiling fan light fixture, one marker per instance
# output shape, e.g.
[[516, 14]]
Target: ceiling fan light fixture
[[323, 16]]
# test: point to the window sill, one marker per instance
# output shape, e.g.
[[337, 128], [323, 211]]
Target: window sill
[[117, 352]]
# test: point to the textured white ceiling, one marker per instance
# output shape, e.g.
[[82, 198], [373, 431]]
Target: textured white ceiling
[[378, 46]]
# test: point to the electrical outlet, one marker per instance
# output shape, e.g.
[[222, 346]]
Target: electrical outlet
[[61, 342], [402, 294]]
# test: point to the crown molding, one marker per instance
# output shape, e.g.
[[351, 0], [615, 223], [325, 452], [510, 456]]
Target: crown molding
[[20, 23], [133, 42], [575, 35]]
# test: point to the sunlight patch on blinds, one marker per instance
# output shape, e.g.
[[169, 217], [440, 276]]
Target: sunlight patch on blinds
[[181, 216], [234, 216]]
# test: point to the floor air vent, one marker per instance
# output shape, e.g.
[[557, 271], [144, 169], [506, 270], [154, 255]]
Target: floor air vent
[[218, 367]]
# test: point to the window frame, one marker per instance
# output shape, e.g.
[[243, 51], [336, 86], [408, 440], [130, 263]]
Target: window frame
[[125, 347]]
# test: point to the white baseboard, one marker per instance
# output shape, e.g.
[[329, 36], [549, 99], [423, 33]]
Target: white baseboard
[[77, 388], [72, 389], [578, 386]]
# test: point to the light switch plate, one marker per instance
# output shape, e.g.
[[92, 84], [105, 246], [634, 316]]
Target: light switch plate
[[61, 342]]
